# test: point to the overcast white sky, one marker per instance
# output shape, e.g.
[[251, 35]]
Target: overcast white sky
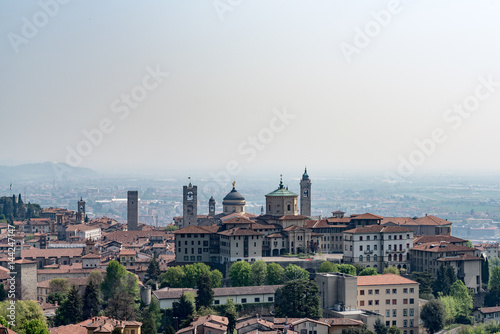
[[229, 68]]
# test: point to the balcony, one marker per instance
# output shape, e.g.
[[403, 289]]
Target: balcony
[[368, 252]]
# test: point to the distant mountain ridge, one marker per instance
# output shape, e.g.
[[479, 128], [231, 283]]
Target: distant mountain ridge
[[44, 170]]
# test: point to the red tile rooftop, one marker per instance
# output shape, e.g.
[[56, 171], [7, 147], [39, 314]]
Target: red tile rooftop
[[386, 279]]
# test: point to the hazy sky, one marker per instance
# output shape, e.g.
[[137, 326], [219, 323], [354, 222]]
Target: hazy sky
[[360, 81]]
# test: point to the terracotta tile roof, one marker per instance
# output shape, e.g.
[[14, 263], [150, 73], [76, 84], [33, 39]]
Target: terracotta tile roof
[[423, 239], [489, 309], [69, 329], [51, 252], [338, 220], [192, 229], [128, 252], [398, 220], [432, 220], [338, 211], [461, 257], [380, 229], [254, 321], [132, 236], [442, 247], [91, 256], [294, 228], [239, 231], [292, 217], [81, 227], [238, 220], [78, 281], [276, 235], [365, 216], [266, 226], [386, 279]]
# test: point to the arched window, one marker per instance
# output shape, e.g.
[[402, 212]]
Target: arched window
[[361, 258], [400, 257], [390, 257], [368, 258], [375, 257]]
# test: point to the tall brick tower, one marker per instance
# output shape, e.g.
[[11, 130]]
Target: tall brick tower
[[80, 214], [190, 204], [305, 195], [132, 210]]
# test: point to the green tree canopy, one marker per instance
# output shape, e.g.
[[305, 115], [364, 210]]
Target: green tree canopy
[[148, 322], [59, 284], [485, 270], [391, 270], [298, 299], [494, 278], [394, 330], [71, 310], [368, 272], [433, 316], [124, 304], [153, 269], [193, 273], [460, 293], [347, 269], [115, 273], [274, 274], [240, 274], [183, 310], [216, 278], [379, 327], [91, 304], [328, 267], [293, 272], [492, 298], [56, 297], [26, 310], [426, 281], [259, 272], [450, 309], [232, 315], [35, 326], [205, 293], [174, 277]]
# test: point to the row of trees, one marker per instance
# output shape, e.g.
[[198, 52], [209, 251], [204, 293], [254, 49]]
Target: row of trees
[[29, 317], [187, 276], [330, 267], [12, 208], [242, 273], [114, 295]]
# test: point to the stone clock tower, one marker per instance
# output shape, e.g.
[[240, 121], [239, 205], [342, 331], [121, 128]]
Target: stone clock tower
[[305, 195], [80, 215], [190, 205], [211, 207]]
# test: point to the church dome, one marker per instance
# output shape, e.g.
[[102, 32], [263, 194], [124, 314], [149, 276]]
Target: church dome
[[305, 176], [234, 195]]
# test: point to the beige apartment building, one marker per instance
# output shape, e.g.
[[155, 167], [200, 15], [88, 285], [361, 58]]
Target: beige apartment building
[[394, 297]]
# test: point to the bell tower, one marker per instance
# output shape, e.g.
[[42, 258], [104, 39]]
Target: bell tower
[[211, 207], [305, 195], [80, 215], [190, 204]]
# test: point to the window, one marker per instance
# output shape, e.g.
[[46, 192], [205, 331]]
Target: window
[[412, 312], [376, 291], [405, 323], [374, 247], [388, 291], [361, 238], [362, 292], [361, 248], [198, 258], [405, 312], [405, 301], [405, 290], [368, 238], [375, 256], [387, 302], [394, 291], [388, 313], [361, 258], [192, 258], [394, 322], [376, 302], [243, 300], [270, 299], [412, 301], [390, 237], [186, 258], [411, 325], [387, 323], [361, 303], [394, 302], [370, 292], [199, 250], [412, 290], [257, 299], [394, 313], [375, 237], [216, 302]]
